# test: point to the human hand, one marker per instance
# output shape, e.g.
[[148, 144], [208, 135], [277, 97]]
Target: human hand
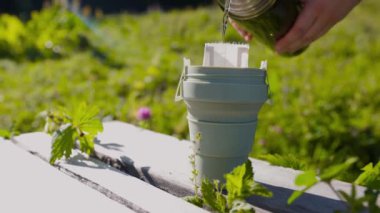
[[315, 19], [246, 35]]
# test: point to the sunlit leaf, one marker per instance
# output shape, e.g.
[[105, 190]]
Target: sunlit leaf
[[195, 200], [240, 206], [63, 141], [294, 196], [334, 171], [290, 161], [213, 197], [307, 179], [86, 144], [5, 134], [80, 124], [239, 182], [85, 118], [261, 190], [370, 176]]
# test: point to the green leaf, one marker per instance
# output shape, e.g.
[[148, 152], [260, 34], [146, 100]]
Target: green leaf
[[55, 119], [195, 200], [261, 190], [372, 197], [354, 203], [63, 141], [79, 124], [239, 182], [295, 195], [289, 161], [212, 197], [85, 119], [5, 134], [334, 171], [306, 179], [345, 195], [240, 206], [86, 144], [370, 177]]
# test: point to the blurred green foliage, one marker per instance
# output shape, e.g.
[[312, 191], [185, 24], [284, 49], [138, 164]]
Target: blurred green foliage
[[325, 103], [12, 33], [50, 33]]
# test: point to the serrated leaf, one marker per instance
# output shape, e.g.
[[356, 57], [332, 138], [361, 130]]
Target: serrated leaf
[[222, 202], [306, 179], [261, 190], [195, 200], [86, 144], [63, 141], [240, 206], [55, 119], [334, 171], [212, 197], [85, 118], [239, 182], [80, 123], [370, 177]]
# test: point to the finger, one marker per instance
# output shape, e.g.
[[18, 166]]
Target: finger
[[299, 43], [305, 20], [233, 23], [316, 31], [243, 33], [248, 37], [238, 29], [309, 36], [322, 32], [326, 22]]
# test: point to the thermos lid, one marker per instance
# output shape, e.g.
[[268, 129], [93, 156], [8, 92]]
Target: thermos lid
[[246, 9]]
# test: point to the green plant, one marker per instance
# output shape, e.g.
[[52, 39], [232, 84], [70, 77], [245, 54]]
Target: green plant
[[5, 134], [370, 177], [289, 161], [12, 32], [196, 199], [239, 186], [80, 124], [50, 33], [61, 33], [8, 134]]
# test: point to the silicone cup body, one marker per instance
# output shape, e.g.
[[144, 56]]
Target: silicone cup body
[[223, 104]]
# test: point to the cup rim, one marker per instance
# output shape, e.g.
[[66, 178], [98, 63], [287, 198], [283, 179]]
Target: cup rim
[[247, 70], [222, 123]]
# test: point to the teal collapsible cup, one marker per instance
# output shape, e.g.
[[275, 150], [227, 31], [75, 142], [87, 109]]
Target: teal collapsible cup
[[223, 105]]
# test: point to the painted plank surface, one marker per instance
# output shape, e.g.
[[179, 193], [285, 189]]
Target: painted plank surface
[[163, 161], [27, 184], [126, 189]]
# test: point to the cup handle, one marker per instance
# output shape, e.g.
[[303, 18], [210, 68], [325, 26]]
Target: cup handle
[[179, 92]]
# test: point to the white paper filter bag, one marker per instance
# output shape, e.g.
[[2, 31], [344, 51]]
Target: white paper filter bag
[[226, 55]]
